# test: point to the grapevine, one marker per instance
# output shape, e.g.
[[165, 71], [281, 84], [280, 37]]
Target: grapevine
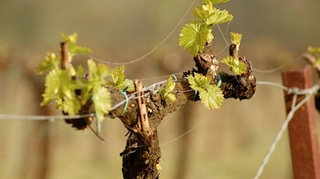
[[99, 91]]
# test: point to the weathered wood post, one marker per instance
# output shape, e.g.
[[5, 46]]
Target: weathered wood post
[[302, 128]]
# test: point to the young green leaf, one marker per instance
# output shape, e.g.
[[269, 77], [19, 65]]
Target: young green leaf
[[237, 66], [166, 91], [73, 48], [80, 71], [198, 82], [236, 39], [102, 102], [69, 38], [56, 83], [98, 74], [230, 61], [72, 71], [212, 97], [51, 88], [203, 12], [50, 62], [100, 94], [80, 50], [219, 17], [118, 80], [194, 36], [71, 104], [212, 16], [314, 50]]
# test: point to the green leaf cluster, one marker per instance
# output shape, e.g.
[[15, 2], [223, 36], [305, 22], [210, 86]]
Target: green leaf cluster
[[211, 95], [69, 88], [95, 87], [236, 39], [53, 62], [196, 34], [237, 66], [314, 50], [119, 81], [73, 48], [50, 62], [211, 15], [166, 92]]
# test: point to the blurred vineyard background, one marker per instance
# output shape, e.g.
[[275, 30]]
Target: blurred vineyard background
[[227, 143]]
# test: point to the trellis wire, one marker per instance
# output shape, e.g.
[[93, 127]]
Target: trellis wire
[[278, 68], [271, 70], [187, 132], [269, 83], [294, 107], [295, 91], [155, 48], [39, 117], [152, 88]]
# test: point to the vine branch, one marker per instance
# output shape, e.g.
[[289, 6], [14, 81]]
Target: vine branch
[[65, 62]]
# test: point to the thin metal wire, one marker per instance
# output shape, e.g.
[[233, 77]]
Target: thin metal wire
[[187, 132], [284, 126], [269, 83], [224, 38], [159, 77], [26, 117], [152, 88], [271, 70], [277, 68], [155, 48]]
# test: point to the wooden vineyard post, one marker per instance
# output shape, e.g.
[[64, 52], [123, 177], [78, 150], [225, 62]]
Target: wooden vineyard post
[[302, 128]]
